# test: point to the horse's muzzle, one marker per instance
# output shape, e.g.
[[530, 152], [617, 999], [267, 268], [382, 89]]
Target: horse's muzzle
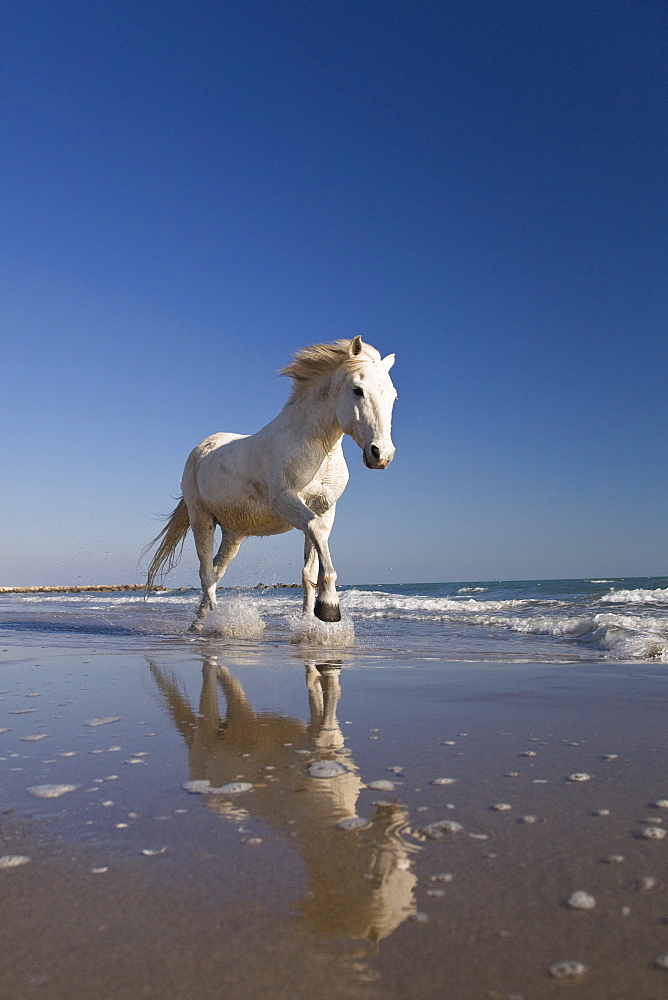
[[374, 459]]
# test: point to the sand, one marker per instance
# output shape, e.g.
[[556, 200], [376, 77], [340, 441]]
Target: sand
[[454, 883]]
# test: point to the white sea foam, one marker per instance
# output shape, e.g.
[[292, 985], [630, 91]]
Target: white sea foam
[[235, 618], [537, 620], [622, 636], [310, 630], [636, 597], [380, 604]]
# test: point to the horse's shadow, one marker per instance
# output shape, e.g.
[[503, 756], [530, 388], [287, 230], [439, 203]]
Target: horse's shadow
[[360, 883]]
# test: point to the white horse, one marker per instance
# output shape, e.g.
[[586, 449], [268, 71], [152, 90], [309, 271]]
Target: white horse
[[288, 475]]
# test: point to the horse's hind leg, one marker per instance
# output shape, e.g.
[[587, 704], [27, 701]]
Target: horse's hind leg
[[309, 575], [204, 528], [226, 553]]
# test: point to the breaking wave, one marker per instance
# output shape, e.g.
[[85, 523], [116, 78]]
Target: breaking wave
[[532, 620], [659, 596]]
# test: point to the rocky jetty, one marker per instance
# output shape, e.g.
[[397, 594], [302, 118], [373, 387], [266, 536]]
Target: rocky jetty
[[80, 588]]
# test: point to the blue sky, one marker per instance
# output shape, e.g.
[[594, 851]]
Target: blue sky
[[191, 191]]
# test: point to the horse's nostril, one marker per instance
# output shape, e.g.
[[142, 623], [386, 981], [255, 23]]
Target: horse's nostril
[[375, 451]]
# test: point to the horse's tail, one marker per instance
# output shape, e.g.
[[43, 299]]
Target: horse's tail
[[170, 538]]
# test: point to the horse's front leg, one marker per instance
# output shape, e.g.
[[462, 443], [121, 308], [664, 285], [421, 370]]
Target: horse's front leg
[[326, 606], [316, 529]]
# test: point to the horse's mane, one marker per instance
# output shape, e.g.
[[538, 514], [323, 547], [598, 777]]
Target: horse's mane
[[319, 361]]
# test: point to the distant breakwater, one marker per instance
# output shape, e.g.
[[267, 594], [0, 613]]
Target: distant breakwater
[[110, 587], [80, 588]]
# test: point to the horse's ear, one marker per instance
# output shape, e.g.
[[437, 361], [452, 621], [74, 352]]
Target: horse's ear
[[388, 362], [355, 347]]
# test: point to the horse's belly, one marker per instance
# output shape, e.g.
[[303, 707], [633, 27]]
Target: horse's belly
[[232, 484], [248, 518]]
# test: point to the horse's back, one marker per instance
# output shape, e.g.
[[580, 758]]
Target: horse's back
[[215, 441], [224, 476], [199, 457]]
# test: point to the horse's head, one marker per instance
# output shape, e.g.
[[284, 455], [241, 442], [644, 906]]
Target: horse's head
[[365, 401]]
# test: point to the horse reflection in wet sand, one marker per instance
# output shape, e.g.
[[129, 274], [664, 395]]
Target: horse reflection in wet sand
[[289, 474], [360, 883]]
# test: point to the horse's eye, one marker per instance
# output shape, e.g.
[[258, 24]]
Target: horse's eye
[[358, 390]]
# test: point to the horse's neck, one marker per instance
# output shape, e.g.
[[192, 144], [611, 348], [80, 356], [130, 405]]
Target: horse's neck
[[311, 418]]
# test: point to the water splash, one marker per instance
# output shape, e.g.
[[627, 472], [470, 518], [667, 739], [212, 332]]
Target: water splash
[[234, 619], [310, 630]]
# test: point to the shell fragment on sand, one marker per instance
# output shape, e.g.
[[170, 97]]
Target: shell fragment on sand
[[581, 901], [653, 833], [570, 968], [13, 860]]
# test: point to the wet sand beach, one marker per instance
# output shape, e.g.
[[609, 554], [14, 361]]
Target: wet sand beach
[[215, 818]]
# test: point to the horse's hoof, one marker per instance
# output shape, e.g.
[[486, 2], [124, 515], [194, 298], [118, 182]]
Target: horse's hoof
[[327, 612], [196, 627]]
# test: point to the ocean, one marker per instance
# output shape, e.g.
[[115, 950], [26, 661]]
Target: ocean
[[513, 621]]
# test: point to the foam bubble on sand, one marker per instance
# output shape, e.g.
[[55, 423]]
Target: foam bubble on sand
[[354, 823], [326, 769], [310, 630], [51, 791], [204, 787], [434, 831], [234, 619]]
